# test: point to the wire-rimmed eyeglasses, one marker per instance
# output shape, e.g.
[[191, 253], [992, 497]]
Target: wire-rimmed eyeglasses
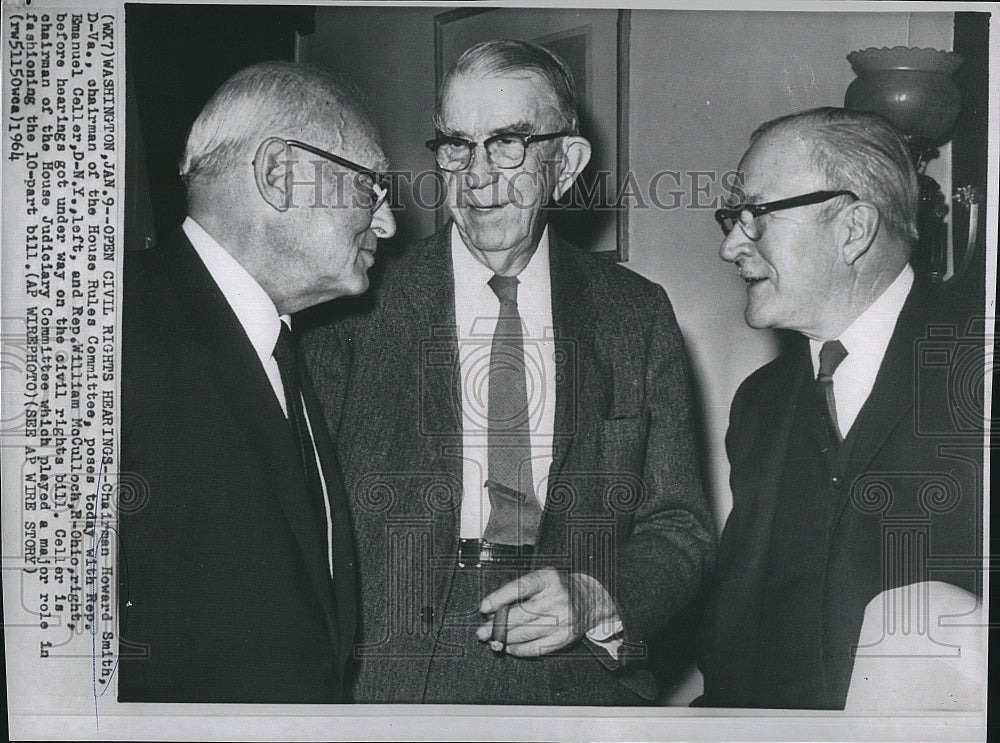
[[504, 150], [745, 215], [373, 184]]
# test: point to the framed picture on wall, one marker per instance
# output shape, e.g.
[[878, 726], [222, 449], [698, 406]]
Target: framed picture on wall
[[595, 45]]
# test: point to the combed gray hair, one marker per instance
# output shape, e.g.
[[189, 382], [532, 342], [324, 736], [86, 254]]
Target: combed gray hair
[[281, 99], [862, 152], [504, 56]]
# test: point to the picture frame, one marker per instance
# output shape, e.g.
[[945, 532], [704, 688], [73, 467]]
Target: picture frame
[[592, 215]]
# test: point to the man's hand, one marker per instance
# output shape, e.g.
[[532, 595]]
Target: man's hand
[[548, 610]]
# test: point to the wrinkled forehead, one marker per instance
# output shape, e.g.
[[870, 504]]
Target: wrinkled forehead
[[366, 149], [352, 136], [491, 100]]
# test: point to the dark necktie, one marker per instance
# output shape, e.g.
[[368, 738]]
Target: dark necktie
[[286, 354], [514, 510], [830, 356]]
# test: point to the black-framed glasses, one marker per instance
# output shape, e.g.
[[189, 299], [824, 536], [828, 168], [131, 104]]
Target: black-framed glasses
[[745, 215], [504, 150], [373, 184]]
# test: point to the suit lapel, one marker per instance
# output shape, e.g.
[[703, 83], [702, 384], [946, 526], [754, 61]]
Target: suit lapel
[[580, 390], [892, 394], [251, 399], [891, 398], [429, 289], [577, 376], [343, 611]]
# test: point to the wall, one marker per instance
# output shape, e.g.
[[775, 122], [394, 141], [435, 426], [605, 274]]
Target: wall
[[701, 82]]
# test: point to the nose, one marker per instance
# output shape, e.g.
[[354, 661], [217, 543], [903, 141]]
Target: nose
[[735, 245], [383, 223], [480, 170]]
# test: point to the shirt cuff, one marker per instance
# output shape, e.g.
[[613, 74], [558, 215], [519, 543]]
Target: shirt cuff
[[607, 634], [605, 640]]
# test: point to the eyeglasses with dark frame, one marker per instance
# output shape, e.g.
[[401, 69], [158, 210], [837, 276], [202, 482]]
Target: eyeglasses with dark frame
[[745, 215], [504, 150], [377, 190]]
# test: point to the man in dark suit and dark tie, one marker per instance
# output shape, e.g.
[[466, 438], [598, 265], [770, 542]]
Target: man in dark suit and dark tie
[[855, 469], [237, 564], [515, 419]]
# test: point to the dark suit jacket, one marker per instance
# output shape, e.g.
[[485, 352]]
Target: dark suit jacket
[[913, 473], [625, 501], [225, 589]]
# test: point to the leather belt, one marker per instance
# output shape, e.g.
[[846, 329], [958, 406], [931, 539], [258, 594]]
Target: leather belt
[[478, 553]]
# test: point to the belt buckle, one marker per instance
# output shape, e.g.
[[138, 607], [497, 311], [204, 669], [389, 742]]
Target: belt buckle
[[462, 551]]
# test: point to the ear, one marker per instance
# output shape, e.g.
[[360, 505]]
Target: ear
[[576, 155], [271, 171], [861, 222]]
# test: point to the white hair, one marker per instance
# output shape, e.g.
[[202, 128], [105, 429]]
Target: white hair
[[281, 99], [861, 152], [510, 56]]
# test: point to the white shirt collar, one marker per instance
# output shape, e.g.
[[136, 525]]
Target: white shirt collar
[[472, 289], [866, 340], [870, 333], [251, 304]]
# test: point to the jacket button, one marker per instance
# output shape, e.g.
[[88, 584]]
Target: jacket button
[[427, 614]]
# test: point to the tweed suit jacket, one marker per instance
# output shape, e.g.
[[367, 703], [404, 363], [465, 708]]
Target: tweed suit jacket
[[225, 589], [624, 504], [907, 504]]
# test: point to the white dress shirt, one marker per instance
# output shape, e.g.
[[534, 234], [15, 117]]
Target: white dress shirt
[[261, 322], [477, 310], [866, 340]]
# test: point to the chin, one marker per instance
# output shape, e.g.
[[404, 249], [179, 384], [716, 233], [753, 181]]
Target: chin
[[496, 241], [360, 286], [486, 245], [357, 284], [756, 320]]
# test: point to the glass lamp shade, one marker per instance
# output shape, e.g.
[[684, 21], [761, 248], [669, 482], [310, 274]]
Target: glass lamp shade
[[910, 87]]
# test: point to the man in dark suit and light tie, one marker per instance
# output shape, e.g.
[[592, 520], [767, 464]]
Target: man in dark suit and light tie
[[855, 468], [515, 420], [237, 563]]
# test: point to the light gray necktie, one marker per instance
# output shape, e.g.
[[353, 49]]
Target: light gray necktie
[[515, 511]]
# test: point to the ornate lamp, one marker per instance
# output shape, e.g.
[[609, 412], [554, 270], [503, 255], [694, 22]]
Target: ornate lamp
[[914, 90]]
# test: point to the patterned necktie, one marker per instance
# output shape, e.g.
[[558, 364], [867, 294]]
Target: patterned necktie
[[514, 510], [288, 364], [830, 356]]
